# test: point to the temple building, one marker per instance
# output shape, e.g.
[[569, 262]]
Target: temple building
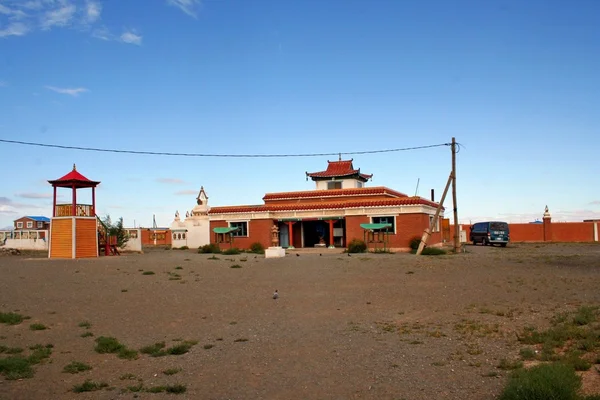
[[340, 209]]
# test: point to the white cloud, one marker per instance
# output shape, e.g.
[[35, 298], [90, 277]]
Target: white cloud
[[33, 4], [174, 181], [190, 7], [34, 195], [92, 11], [186, 192], [14, 29], [595, 203], [70, 91], [103, 33], [12, 13], [58, 17], [131, 38]]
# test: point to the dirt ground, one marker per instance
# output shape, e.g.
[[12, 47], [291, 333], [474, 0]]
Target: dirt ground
[[369, 326]]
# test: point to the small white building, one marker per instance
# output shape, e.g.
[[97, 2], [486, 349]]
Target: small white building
[[194, 230]]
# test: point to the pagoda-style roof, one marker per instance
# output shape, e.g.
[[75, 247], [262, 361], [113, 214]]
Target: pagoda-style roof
[[339, 169], [333, 193], [74, 179], [392, 202]]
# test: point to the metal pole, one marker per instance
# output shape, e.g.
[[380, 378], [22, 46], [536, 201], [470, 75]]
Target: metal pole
[[456, 228]]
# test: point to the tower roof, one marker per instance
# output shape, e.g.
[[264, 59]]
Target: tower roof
[[74, 178], [339, 169]]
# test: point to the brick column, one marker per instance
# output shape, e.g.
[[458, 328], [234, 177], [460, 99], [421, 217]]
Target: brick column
[[547, 226]]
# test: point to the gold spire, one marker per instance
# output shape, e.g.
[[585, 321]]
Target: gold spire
[[74, 167]]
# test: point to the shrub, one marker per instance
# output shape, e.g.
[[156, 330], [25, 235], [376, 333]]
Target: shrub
[[11, 318], [39, 353], [171, 371], [89, 386], [108, 345], [37, 327], [75, 367], [154, 350], [547, 381], [357, 246], [236, 266], [232, 251], [211, 248], [414, 242], [176, 389], [15, 368], [432, 251], [181, 348], [257, 248], [527, 353]]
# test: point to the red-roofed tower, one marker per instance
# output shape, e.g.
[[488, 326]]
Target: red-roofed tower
[[73, 228], [339, 175]]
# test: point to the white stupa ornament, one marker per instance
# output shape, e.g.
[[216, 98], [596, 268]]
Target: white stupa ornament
[[546, 213]]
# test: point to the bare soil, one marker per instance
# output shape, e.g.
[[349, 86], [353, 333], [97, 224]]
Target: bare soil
[[365, 326]]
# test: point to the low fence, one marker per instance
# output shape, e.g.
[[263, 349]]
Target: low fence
[[27, 240]]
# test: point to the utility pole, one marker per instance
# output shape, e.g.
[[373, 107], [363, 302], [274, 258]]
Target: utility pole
[[435, 219], [456, 228]]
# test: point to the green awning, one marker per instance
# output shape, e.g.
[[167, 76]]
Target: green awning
[[225, 230], [372, 227], [289, 219]]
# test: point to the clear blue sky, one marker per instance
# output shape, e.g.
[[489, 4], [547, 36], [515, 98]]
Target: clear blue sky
[[516, 82]]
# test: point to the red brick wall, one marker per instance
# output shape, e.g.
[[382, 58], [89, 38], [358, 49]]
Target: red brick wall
[[259, 230], [560, 232], [525, 232], [407, 227], [573, 231], [353, 229]]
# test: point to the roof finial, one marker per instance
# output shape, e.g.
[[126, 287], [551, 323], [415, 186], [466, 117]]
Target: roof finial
[[340, 155], [74, 167]]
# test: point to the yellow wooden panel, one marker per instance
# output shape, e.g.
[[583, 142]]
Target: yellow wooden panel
[[86, 238], [61, 238]]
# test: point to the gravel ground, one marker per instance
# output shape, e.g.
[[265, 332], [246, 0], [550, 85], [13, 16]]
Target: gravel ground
[[370, 326]]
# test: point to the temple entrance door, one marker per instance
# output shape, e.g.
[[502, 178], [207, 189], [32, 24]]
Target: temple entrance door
[[284, 235]]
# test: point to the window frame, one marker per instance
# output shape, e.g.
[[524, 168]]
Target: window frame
[[335, 182], [29, 224], [40, 224], [393, 217], [436, 226], [20, 225], [238, 234]]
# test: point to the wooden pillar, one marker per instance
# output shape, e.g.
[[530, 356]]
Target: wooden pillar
[[331, 222], [74, 205], [291, 234], [54, 204], [93, 202]]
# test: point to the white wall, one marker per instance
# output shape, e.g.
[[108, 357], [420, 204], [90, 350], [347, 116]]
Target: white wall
[[196, 230], [31, 243], [346, 184], [135, 240]]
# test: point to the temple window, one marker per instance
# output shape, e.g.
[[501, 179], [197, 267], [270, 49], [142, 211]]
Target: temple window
[[242, 228], [385, 220], [334, 185]]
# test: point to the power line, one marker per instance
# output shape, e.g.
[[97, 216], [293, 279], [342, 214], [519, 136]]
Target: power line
[[160, 153]]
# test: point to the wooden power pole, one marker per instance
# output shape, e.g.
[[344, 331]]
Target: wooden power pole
[[434, 221], [455, 210]]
